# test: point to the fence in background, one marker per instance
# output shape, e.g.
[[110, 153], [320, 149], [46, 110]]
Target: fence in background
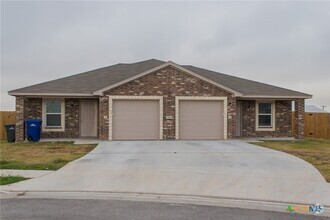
[[5, 119], [317, 125]]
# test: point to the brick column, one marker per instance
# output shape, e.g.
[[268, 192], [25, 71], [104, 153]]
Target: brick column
[[20, 102], [104, 122], [299, 118], [231, 117]]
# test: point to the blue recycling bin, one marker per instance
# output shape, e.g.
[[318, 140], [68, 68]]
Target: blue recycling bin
[[33, 129]]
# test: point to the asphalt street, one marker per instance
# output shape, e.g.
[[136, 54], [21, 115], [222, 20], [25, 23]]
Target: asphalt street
[[111, 209]]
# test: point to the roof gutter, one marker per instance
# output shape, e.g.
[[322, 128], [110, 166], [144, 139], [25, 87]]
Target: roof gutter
[[51, 94], [100, 94], [275, 97]]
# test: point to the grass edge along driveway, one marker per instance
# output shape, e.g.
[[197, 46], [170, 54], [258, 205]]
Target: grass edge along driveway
[[4, 180], [314, 151], [40, 155]]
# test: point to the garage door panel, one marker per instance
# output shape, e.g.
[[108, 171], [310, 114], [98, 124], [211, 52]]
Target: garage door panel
[[136, 120], [201, 120], [199, 125]]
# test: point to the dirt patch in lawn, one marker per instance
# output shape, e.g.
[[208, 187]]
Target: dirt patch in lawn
[[314, 151], [40, 155]]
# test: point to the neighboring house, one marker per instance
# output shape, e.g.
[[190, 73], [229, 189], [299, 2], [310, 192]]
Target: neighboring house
[[314, 109], [153, 100]]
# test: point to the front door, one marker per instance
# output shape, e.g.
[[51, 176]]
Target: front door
[[88, 118]]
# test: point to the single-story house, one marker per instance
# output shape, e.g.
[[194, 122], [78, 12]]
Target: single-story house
[[314, 109], [153, 100]]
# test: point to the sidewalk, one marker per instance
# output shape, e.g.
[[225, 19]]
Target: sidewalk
[[25, 173], [75, 140]]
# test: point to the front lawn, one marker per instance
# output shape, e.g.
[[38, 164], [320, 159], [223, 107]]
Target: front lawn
[[40, 155], [4, 180], [314, 151]]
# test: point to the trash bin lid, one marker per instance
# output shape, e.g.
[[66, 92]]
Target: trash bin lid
[[10, 127], [33, 121]]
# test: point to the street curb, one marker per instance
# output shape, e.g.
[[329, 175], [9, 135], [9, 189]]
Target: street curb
[[174, 199]]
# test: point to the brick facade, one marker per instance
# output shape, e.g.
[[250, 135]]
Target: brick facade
[[282, 120], [169, 83], [19, 134], [299, 118], [103, 128], [31, 108], [71, 121]]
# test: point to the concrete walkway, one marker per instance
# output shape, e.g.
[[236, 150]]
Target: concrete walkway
[[25, 173], [75, 140], [213, 169]]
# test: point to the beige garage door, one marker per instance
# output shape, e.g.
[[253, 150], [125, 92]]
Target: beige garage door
[[136, 120], [201, 120]]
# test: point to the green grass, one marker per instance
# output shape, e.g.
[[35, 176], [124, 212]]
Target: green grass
[[40, 155], [314, 151], [4, 180]]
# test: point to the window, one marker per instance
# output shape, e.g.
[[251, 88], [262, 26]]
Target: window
[[265, 116], [53, 114]]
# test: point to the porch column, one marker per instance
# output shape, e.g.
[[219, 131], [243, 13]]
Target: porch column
[[231, 117], [299, 118], [103, 118], [20, 106]]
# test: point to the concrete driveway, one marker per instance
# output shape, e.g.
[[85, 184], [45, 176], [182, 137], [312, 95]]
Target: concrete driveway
[[226, 169]]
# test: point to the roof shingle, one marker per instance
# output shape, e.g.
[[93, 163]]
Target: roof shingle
[[88, 82]]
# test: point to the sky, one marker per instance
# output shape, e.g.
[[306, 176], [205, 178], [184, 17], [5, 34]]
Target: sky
[[286, 44]]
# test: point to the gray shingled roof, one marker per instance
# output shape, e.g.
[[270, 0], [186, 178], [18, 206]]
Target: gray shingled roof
[[88, 82], [93, 80], [245, 86]]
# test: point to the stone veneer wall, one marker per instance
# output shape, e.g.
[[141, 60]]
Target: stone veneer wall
[[169, 83], [282, 120], [31, 108]]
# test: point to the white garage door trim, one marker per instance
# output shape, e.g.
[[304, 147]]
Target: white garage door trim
[[179, 98], [160, 98]]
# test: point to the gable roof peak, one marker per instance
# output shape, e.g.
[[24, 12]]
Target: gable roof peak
[[142, 61]]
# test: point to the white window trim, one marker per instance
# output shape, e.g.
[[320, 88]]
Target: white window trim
[[159, 98], [272, 127], [44, 106], [198, 98]]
